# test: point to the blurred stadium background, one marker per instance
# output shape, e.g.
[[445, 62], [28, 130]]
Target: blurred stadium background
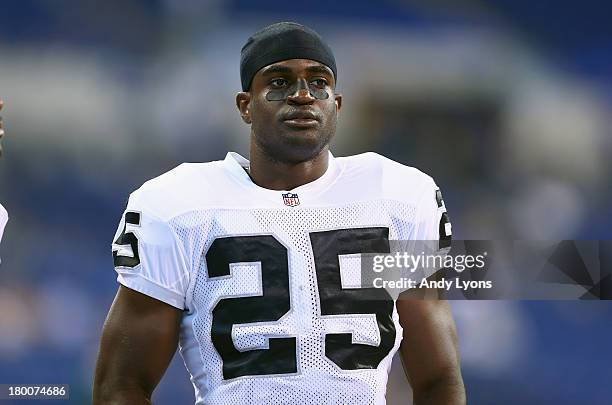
[[505, 103]]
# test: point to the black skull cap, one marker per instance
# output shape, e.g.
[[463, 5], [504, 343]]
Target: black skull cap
[[282, 41]]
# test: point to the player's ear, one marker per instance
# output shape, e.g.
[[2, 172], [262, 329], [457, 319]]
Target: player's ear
[[243, 102], [338, 100]]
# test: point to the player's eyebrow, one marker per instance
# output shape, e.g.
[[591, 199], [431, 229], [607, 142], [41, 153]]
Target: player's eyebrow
[[276, 69], [319, 69]]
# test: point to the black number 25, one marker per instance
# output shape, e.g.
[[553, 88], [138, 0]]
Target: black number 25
[[274, 303], [128, 240]]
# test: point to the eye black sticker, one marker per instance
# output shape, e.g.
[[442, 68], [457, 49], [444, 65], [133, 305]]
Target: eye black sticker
[[283, 94]]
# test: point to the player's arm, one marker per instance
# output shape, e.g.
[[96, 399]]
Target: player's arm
[[429, 350], [429, 347], [139, 338], [141, 332]]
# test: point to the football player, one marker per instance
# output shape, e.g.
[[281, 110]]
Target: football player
[[239, 262]]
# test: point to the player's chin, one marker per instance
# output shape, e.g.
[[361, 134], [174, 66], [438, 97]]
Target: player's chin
[[300, 148], [304, 138]]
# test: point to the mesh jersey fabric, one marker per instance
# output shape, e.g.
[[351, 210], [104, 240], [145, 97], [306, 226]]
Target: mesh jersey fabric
[[183, 218]]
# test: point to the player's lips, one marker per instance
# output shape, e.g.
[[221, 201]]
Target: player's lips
[[302, 123], [301, 119]]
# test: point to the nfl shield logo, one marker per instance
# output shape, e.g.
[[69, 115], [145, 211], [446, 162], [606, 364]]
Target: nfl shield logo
[[291, 199]]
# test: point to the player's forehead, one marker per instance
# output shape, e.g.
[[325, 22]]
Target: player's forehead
[[295, 66]]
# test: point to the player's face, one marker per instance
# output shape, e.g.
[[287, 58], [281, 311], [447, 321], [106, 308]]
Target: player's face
[[292, 109], [1, 127]]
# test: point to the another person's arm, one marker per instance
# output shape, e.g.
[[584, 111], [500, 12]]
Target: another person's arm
[[429, 351], [139, 338]]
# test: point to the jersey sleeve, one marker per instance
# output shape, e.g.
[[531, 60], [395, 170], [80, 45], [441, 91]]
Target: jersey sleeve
[[432, 233], [432, 220], [148, 257], [3, 220]]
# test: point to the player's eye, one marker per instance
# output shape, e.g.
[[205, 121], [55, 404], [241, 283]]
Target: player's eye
[[319, 82], [278, 83]]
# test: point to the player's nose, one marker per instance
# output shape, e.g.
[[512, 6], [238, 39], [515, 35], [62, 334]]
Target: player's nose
[[301, 97], [302, 94]]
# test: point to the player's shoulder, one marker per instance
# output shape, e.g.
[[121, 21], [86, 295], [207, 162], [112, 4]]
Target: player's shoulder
[[394, 179], [175, 190], [375, 161], [179, 177], [3, 212], [3, 219]]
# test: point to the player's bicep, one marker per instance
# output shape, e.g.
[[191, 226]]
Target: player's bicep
[[139, 338], [429, 346]]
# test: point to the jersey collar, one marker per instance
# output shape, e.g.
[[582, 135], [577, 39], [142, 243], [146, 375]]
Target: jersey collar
[[236, 164]]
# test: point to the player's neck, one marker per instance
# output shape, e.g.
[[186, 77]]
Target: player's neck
[[275, 175]]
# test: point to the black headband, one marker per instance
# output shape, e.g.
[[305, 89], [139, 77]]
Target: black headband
[[282, 41]]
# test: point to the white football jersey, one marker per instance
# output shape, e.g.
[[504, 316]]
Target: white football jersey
[[3, 220], [263, 276]]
